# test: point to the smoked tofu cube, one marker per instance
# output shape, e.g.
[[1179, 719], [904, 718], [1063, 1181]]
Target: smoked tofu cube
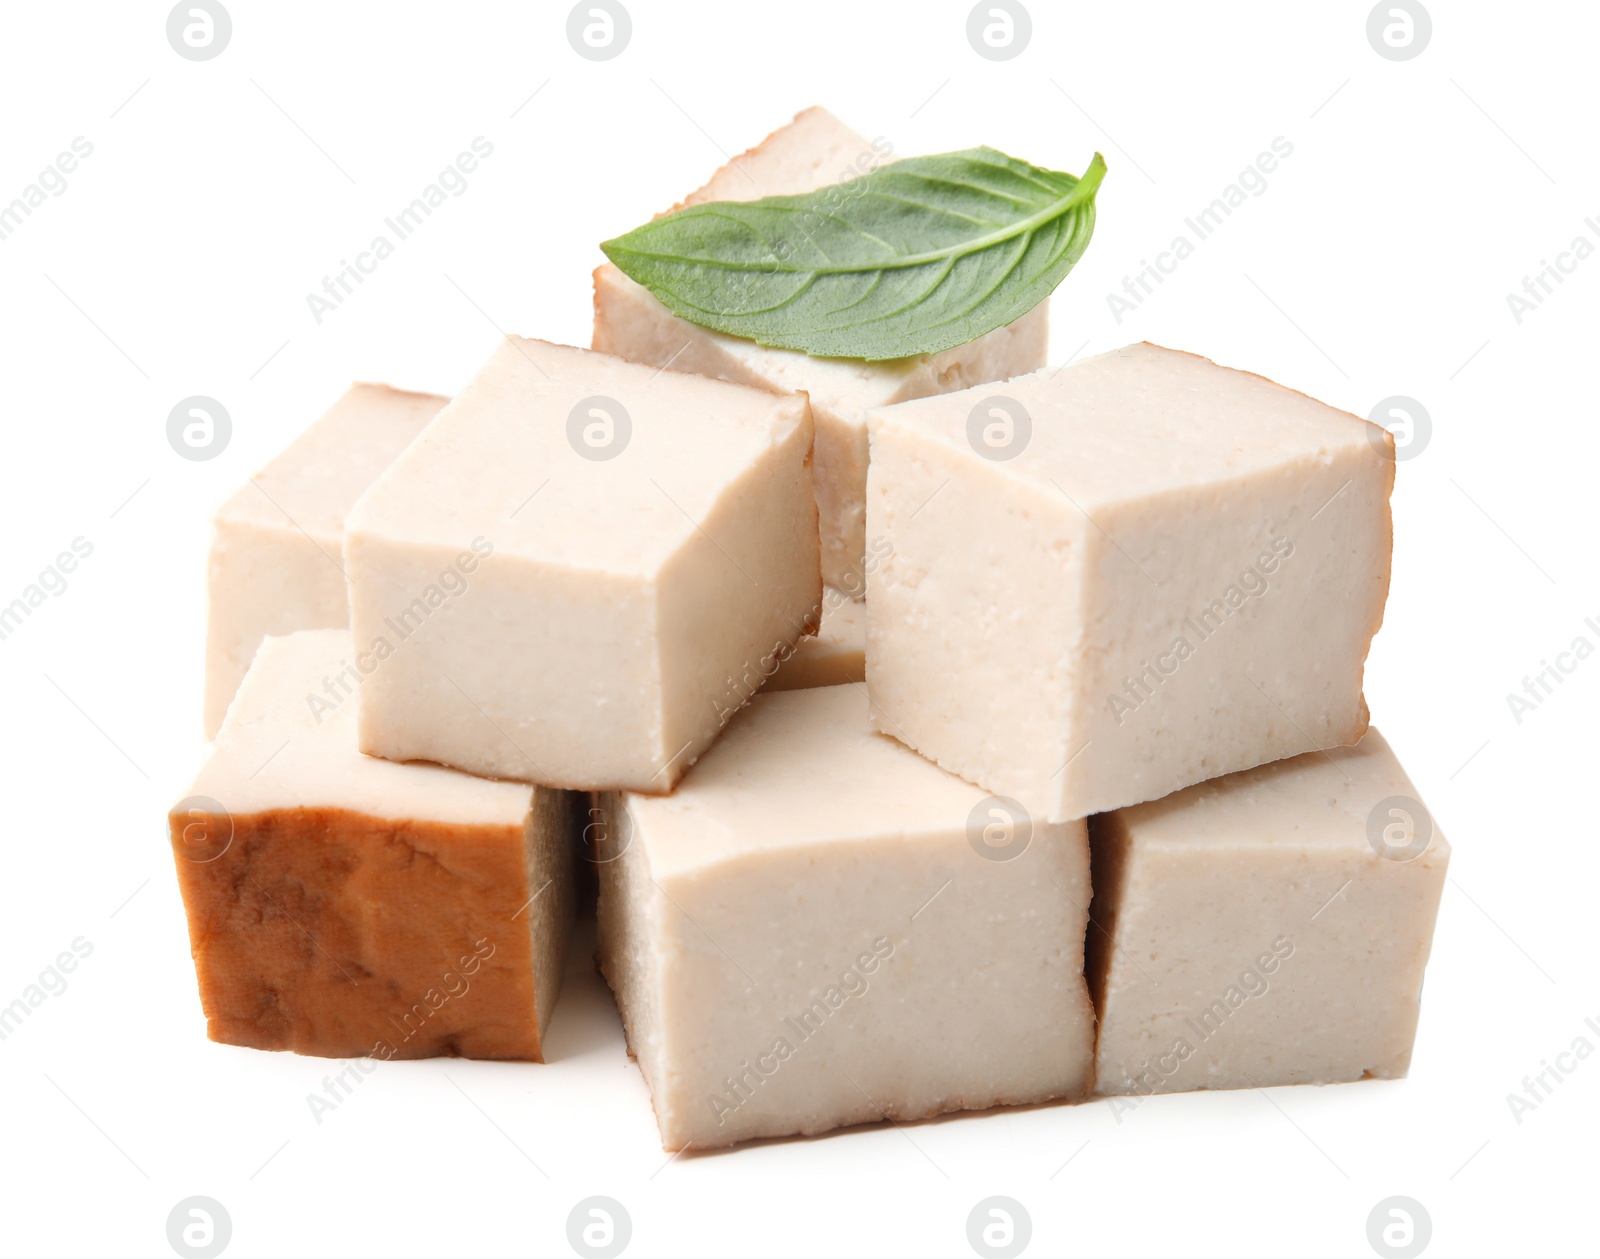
[[1270, 927], [1105, 583], [815, 150], [821, 928], [346, 906], [275, 564], [568, 578], [835, 654]]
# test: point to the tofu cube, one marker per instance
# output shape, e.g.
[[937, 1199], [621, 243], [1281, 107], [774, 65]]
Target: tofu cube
[[275, 564], [835, 654], [1270, 927], [821, 928], [570, 576], [815, 150], [346, 906], [1109, 582]]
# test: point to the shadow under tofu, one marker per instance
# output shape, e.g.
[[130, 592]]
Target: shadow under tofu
[[952, 1116]]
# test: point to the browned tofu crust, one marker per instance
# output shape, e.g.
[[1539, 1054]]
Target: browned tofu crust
[[342, 935]]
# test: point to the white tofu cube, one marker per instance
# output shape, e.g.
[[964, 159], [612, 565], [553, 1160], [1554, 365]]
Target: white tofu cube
[[1270, 927], [1105, 583], [821, 928], [568, 577], [275, 565], [813, 151], [346, 906]]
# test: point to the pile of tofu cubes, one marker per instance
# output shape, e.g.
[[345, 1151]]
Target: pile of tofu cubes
[[935, 743]]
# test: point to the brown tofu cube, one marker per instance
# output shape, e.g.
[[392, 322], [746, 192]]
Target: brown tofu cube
[[345, 906]]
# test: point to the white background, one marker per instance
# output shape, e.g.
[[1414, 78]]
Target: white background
[[177, 262]]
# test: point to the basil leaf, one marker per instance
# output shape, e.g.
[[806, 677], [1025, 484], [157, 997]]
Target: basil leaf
[[911, 258]]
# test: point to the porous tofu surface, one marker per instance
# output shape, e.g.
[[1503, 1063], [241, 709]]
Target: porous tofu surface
[[342, 905], [806, 935], [1165, 571], [1269, 927]]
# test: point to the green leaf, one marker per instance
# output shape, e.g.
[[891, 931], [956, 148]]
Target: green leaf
[[912, 258]]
